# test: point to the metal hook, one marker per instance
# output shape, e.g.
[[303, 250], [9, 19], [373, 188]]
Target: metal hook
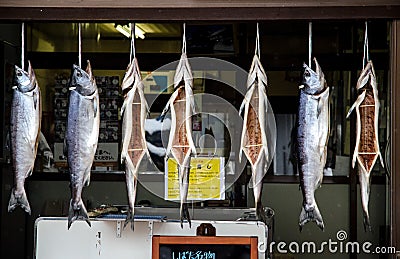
[[133, 35], [366, 50], [309, 43], [23, 46], [184, 39], [79, 45]]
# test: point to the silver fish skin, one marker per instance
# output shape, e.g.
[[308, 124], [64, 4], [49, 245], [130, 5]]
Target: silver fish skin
[[181, 145], [26, 113], [254, 135], [81, 137], [366, 150], [312, 140], [134, 146]]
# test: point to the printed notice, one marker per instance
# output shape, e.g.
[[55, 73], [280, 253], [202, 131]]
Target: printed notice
[[206, 179]]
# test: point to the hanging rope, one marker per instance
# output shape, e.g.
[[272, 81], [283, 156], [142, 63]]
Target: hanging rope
[[184, 39], [257, 50], [79, 45], [309, 43], [366, 50], [23, 46], [133, 50]]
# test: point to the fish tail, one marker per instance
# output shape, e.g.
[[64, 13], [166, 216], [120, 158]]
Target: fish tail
[[185, 214], [130, 218], [311, 215], [184, 171], [131, 186], [260, 213], [77, 212], [364, 179], [20, 200]]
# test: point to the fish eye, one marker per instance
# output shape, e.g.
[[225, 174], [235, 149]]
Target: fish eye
[[79, 74], [307, 73], [19, 73]]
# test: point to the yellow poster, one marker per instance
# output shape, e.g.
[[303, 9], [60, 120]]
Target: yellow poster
[[206, 179]]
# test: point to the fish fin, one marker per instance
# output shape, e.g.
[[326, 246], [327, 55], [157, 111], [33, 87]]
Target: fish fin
[[185, 215], [65, 147], [19, 201], [381, 160], [360, 98], [130, 218], [77, 212], [35, 100], [165, 111], [242, 107], [311, 215], [95, 106], [86, 177], [8, 140], [320, 106]]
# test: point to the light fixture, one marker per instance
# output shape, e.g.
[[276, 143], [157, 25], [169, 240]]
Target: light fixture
[[126, 31]]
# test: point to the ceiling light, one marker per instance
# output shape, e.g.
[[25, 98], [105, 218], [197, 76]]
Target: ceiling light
[[126, 31]]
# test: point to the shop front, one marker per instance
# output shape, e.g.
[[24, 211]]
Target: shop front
[[253, 159]]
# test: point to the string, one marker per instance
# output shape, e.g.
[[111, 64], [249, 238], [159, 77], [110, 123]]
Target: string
[[366, 50], [133, 35], [79, 45], [184, 38], [257, 51], [23, 46], [309, 43]]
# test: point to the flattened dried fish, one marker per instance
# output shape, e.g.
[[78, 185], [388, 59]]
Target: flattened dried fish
[[366, 150], [181, 145], [134, 111], [254, 136]]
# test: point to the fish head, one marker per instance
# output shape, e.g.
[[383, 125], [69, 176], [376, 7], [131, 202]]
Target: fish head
[[313, 82], [24, 80], [83, 80]]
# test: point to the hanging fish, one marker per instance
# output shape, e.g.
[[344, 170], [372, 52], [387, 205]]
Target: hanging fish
[[367, 149], [26, 113], [134, 111], [312, 139], [81, 137], [254, 136], [181, 145]]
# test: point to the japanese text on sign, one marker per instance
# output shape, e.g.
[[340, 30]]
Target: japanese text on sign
[[193, 255], [206, 179]]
